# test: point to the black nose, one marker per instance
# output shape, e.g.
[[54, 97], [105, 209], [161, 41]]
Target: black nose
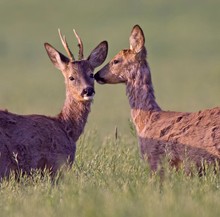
[[89, 91], [98, 78]]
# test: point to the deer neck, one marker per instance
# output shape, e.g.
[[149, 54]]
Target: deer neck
[[140, 92], [74, 116]]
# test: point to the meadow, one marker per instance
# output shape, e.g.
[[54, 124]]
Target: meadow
[[109, 178]]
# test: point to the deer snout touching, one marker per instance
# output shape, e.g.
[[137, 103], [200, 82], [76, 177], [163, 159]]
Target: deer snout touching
[[99, 79], [112, 73], [88, 93]]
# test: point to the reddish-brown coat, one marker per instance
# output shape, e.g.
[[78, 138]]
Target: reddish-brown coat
[[190, 137], [30, 142]]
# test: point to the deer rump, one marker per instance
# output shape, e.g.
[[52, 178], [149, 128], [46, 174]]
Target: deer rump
[[33, 142]]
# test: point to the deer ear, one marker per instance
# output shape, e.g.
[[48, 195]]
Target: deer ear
[[137, 39], [59, 60], [98, 55]]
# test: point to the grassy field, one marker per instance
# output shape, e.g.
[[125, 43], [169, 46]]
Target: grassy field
[[109, 178]]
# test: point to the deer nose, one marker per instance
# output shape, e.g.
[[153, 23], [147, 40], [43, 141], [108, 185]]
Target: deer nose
[[89, 91], [99, 79]]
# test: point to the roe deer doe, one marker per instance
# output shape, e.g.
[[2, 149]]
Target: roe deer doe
[[192, 136], [36, 141]]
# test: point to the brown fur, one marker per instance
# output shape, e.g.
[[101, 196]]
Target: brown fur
[[183, 136], [36, 141]]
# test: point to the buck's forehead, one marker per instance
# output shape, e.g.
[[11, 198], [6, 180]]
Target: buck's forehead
[[81, 66]]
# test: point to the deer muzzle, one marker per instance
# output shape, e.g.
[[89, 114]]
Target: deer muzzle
[[99, 79], [88, 93]]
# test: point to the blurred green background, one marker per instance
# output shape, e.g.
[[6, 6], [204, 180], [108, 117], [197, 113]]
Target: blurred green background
[[182, 38]]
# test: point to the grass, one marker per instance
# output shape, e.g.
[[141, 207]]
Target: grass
[[108, 177], [111, 180]]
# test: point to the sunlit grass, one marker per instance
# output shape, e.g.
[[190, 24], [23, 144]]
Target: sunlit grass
[[111, 180]]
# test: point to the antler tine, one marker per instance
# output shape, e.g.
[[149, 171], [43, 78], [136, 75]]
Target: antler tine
[[65, 45], [80, 44]]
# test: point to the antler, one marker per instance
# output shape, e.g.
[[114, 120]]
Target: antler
[[65, 45], [80, 44]]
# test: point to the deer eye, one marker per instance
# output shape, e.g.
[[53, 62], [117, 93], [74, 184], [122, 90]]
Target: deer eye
[[115, 61], [71, 78], [91, 75]]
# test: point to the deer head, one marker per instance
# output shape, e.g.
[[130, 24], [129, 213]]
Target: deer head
[[78, 74], [121, 68]]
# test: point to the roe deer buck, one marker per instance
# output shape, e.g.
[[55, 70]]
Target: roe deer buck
[[36, 141], [195, 136]]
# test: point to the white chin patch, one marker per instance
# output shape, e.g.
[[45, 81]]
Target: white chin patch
[[88, 98]]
